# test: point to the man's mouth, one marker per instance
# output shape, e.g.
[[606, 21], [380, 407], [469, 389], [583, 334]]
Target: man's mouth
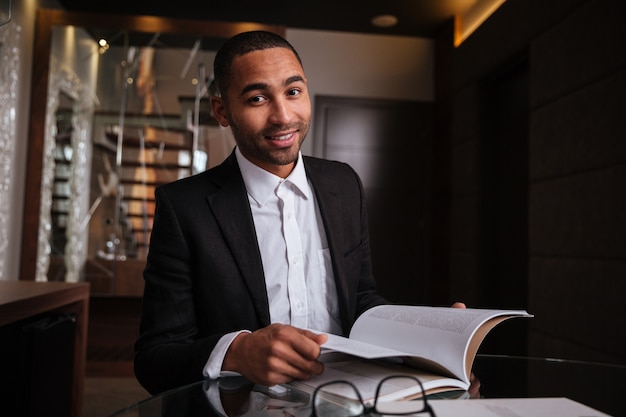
[[284, 140], [283, 137]]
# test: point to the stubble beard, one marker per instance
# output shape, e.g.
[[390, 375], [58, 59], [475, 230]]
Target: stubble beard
[[251, 143]]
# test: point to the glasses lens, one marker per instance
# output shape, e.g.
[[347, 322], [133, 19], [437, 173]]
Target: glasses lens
[[337, 399], [400, 395]]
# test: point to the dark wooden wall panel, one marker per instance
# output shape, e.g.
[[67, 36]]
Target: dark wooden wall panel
[[582, 131], [584, 47], [576, 258]]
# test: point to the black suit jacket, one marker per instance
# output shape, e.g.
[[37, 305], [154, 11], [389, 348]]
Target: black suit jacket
[[204, 276]]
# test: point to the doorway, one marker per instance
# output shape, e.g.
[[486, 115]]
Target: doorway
[[388, 143]]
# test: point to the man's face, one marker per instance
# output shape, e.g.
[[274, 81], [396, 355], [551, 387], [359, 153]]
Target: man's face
[[268, 108]]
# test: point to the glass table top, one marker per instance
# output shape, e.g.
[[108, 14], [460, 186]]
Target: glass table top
[[596, 385]]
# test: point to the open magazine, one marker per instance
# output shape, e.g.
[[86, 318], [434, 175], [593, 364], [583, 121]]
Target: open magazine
[[436, 344]]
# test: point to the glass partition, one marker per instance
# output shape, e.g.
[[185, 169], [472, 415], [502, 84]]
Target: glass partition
[[127, 109], [150, 124]]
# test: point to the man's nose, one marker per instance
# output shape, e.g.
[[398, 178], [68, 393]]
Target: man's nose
[[281, 112]]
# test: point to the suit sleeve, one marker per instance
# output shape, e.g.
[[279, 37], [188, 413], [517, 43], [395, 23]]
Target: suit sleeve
[[168, 352]]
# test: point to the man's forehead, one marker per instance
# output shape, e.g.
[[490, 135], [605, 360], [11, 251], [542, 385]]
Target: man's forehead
[[274, 64], [265, 55]]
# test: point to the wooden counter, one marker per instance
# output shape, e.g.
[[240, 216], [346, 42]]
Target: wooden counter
[[25, 299]]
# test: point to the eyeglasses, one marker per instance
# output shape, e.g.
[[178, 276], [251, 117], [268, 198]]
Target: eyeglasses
[[343, 399]]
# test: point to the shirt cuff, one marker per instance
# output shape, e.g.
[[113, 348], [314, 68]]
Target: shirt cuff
[[213, 367]]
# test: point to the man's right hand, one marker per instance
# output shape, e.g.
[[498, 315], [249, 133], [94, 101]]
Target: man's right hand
[[276, 354]]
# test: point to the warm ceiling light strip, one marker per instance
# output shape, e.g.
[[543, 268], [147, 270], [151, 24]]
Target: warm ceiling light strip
[[466, 23]]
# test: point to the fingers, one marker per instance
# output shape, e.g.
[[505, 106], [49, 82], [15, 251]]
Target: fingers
[[276, 354], [474, 388], [458, 305], [311, 350], [297, 351]]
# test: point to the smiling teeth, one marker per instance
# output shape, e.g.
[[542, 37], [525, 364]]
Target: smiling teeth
[[283, 137]]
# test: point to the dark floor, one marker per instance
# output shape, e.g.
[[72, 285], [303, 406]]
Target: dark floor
[[113, 329], [110, 384]]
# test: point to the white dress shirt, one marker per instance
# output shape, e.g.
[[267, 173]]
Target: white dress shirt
[[296, 261]]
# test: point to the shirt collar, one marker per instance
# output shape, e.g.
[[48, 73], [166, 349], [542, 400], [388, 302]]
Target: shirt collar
[[261, 184]]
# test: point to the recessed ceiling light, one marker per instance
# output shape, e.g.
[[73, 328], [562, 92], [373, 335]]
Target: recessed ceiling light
[[384, 21]]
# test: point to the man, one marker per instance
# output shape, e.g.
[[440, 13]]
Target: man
[[247, 256]]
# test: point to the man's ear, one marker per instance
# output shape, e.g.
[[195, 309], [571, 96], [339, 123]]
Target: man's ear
[[219, 111]]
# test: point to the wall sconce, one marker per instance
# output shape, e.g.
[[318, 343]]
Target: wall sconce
[[467, 22]]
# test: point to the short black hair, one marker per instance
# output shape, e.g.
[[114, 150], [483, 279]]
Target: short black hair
[[241, 44]]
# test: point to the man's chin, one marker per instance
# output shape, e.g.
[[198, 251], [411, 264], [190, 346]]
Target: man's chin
[[283, 159]]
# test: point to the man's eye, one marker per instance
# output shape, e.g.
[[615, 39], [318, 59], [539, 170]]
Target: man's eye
[[293, 92], [256, 99]]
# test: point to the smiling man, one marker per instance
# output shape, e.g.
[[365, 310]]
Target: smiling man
[[268, 108], [248, 255]]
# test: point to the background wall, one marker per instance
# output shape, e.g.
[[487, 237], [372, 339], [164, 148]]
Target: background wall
[[572, 58], [370, 66]]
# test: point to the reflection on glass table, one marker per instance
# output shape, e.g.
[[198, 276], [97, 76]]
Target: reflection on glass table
[[596, 385], [343, 398]]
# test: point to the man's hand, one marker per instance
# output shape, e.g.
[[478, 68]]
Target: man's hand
[[275, 354]]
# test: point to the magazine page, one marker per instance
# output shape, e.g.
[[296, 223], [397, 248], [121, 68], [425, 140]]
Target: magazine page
[[367, 374], [358, 348], [438, 335]]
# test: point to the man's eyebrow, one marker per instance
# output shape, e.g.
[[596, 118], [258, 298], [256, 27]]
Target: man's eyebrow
[[294, 79], [263, 86], [252, 87]]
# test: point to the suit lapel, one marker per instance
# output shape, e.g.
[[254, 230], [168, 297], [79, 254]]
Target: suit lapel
[[231, 209], [329, 201]]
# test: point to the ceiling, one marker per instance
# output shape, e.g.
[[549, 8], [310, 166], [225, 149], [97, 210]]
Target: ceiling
[[416, 18]]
